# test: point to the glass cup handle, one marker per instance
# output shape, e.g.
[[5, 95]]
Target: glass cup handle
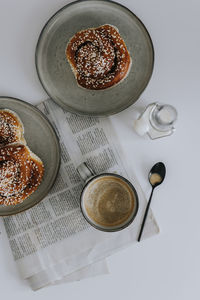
[[85, 171]]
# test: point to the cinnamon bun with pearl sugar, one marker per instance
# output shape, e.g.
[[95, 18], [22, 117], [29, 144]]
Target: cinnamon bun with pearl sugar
[[98, 57], [21, 172], [11, 128]]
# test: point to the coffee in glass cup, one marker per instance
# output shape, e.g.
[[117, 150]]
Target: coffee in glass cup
[[109, 202]]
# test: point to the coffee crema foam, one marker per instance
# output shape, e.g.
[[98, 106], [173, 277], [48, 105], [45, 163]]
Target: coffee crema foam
[[109, 201]]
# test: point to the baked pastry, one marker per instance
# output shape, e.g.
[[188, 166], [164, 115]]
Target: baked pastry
[[21, 172], [11, 128], [98, 57]]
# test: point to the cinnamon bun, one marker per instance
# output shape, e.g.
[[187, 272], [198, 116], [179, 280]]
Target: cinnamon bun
[[21, 172], [11, 128], [98, 57]]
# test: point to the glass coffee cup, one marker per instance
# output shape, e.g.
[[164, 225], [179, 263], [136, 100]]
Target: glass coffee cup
[[108, 201]]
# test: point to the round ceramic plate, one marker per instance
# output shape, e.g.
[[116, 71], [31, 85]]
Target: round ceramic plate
[[54, 70], [42, 140]]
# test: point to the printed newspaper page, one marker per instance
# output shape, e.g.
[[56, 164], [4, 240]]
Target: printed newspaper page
[[52, 242]]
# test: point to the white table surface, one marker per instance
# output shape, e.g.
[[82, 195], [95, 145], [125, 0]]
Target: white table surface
[[166, 266]]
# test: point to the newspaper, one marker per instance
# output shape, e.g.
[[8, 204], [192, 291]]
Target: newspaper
[[52, 242]]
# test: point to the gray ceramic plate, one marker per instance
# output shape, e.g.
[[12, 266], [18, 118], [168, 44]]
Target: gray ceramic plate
[[54, 70], [42, 140]]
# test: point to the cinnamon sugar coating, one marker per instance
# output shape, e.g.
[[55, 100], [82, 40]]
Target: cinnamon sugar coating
[[11, 129], [98, 57], [20, 174]]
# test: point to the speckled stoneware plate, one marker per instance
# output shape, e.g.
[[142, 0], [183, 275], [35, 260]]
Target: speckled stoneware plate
[[42, 140], [54, 70]]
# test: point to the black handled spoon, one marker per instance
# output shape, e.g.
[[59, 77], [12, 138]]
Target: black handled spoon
[[156, 177]]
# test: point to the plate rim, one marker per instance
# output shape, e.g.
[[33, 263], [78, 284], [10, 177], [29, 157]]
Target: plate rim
[[69, 108], [58, 149]]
